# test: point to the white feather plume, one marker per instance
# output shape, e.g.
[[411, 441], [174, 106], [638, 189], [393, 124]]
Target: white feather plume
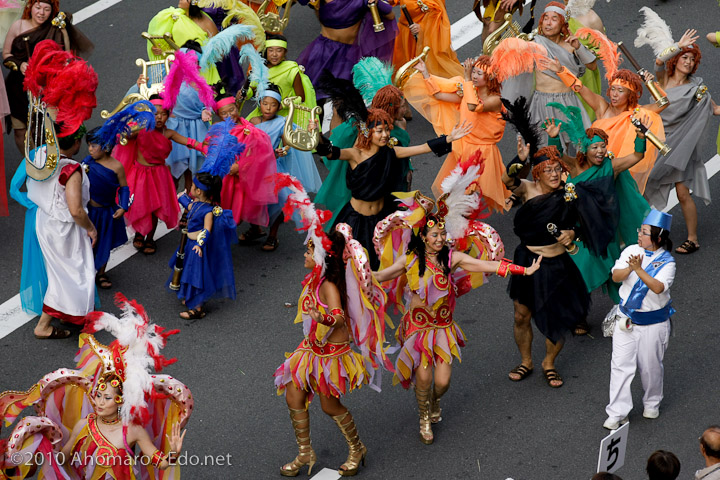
[[460, 205], [654, 32], [577, 8]]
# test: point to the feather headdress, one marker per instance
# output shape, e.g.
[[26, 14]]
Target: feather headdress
[[140, 113], [461, 207], [573, 125], [370, 74], [514, 56], [259, 71], [237, 11], [518, 115], [654, 32], [577, 8], [606, 50], [185, 68], [223, 149], [135, 351], [346, 98], [312, 218], [219, 46]]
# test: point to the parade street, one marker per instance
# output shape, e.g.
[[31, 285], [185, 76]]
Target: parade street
[[492, 428]]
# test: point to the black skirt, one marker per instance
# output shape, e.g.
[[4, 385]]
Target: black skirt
[[556, 294], [363, 227]]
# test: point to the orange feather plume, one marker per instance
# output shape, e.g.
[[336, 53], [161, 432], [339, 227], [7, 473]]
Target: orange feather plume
[[606, 49], [514, 56]]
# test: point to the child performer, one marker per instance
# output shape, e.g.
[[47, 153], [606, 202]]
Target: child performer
[[297, 163], [107, 179], [642, 329]]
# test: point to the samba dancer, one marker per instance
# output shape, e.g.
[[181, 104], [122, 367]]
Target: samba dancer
[[334, 314], [436, 273], [684, 120]]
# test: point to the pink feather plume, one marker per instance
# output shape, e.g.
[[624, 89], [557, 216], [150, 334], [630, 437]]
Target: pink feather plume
[[185, 68]]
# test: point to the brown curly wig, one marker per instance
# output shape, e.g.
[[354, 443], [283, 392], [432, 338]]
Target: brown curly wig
[[493, 86], [551, 154], [388, 98], [672, 63], [376, 117]]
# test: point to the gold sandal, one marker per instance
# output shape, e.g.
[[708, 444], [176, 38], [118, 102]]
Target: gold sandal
[[357, 452], [305, 450], [435, 410], [423, 401]]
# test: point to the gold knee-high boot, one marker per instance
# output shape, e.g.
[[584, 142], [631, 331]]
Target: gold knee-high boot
[[357, 451], [306, 455], [423, 401], [435, 410]]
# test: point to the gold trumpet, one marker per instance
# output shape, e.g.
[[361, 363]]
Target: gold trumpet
[[271, 22], [300, 138], [407, 71], [663, 147]]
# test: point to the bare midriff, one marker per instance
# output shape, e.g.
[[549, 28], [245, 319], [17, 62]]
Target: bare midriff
[[366, 208], [547, 84], [341, 35], [548, 251]]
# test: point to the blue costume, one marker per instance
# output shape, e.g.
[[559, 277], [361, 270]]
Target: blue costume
[[104, 185], [297, 163], [211, 275]]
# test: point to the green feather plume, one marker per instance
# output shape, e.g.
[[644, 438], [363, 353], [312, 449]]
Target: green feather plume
[[370, 74], [573, 126]]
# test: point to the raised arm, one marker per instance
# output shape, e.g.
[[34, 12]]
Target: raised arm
[[513, 172], [440, 145], [433, 88], [596, 102], [471, 264], [393, 271], [689, 37], [552, 128], [157, 458]]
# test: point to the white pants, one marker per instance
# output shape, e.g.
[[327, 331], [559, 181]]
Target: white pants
[[642, 349]]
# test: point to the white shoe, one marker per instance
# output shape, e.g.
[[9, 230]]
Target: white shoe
[[651, 413], [611, 424]]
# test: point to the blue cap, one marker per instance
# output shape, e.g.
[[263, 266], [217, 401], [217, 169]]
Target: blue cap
[[660, 219]]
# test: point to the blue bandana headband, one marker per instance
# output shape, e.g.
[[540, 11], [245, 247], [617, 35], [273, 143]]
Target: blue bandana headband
[[273, 94], [200, 185]]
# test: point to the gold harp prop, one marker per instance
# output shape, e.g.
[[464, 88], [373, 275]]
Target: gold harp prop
[[164, 42], [508, 29], [154, 72], [407, 71], [272, 22], [40, 132], [300, 138]]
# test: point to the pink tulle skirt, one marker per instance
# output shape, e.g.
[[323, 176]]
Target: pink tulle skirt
[[153, 190]]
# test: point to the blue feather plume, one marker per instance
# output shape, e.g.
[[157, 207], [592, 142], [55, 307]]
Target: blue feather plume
[[141, 113], [259, 74], [223, 149], [219, 46]]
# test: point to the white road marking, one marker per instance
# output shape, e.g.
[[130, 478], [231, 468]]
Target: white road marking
[[712, 166], [92, 10], [467, 29], [326, 474]]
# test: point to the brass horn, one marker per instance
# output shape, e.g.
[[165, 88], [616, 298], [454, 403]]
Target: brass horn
[[508, 29], [407, 71]]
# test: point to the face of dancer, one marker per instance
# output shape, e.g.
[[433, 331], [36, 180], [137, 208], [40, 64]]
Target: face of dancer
[[184, 4], [40, 12], [275, 55], [161, 117], [551, 175], [380, 135], [105, 405], [309, 260], [478, 77], [685, 64], [228, 111], [95, 151], [644, 238], [552, 24], [596, 153], [435, 239], [620, 96], [269, 108]]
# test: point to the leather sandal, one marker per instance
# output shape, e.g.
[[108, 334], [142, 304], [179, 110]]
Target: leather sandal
[[57, 334], [139, 241], [102, 281], [250, 235], [688, 247], [192, 314], [270, 245], [551, 375], [522, 371], [150, 247]]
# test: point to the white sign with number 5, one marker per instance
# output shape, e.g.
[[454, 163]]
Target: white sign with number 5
[[612, 450]]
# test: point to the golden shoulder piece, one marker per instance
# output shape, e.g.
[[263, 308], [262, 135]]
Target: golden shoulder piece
[[407, 71], [40, 164], [272, 22], [217, 210], [300, 137], [508, 29]]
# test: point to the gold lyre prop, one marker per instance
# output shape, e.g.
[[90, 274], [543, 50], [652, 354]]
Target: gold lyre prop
[[378, 24], [39, 164], [407, 71], [154, 72], [300, 137], [508, 29], [164, 42], [272, 22]]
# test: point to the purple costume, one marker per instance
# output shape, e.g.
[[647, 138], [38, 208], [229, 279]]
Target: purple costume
[[229, 68], [339, 58]]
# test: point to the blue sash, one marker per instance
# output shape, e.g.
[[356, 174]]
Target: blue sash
[[640, 290]]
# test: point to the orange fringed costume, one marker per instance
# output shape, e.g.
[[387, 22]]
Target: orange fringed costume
[[622, 141], [434, 33], [488, 129]]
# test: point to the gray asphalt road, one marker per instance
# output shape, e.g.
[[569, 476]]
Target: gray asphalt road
[[492, 428]]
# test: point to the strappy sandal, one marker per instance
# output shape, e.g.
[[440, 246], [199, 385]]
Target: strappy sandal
[[522, 371], [102, 281], [57, 334], [552, 375], [581, 329], [687, 247], [139, 241], [270, 245], [192, 314], [250, 235], [150, 247]]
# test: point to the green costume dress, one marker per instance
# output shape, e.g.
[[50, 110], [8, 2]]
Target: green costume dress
[[334, 194], [283, 75], [182, 28], [591, 78], [595, 269]]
